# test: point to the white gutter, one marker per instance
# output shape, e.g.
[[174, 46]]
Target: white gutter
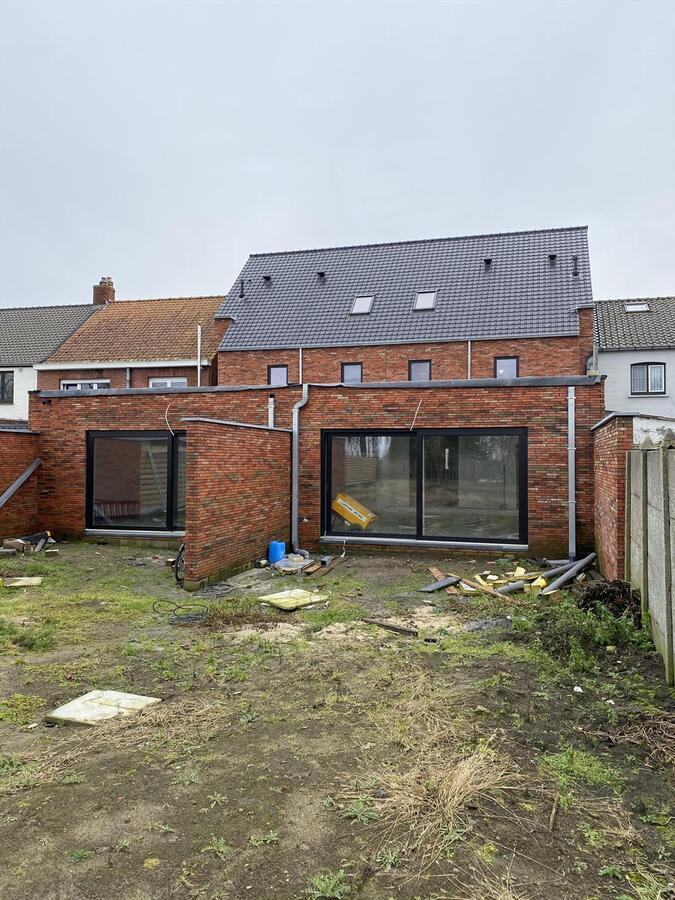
[[199, 355], [118, 364], [571, 474], [295, 466]]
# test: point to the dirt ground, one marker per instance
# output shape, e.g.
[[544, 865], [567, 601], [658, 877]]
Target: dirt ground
[[311, 755]]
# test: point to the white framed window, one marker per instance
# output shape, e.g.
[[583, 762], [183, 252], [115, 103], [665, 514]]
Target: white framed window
[[167, 382], [362, 305], [638, 306], [425, 300], [507, 367], [419, 370], [352, 373], [277, 376], [648, 378], [7, 387], [100, 384]]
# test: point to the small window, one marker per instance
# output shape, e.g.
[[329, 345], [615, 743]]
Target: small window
[[352, 373], [167, 382], [6, 387], [99, 385], [419, 370], [648, 378], [425, 300], [277, 376], [506, 366], [362, 305], [636, 307]]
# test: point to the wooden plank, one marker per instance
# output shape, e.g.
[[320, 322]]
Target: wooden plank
[[324, 570], [439, 576]]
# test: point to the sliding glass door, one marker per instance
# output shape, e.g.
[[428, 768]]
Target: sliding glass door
[[459, 485], [136, 480]]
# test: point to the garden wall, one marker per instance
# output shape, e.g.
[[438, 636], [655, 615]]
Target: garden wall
[[19, 515]]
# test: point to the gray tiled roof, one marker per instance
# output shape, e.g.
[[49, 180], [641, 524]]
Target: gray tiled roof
[[616, 329], [30, 334], [522, 294]]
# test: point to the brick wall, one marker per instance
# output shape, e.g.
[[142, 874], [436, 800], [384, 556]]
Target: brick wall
[[64, 422], [611, 442], [20, 514], [543, 410], [237, 496], [51, 380], [449, 360]]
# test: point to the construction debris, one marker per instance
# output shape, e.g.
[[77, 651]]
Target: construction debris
[[97, 706], [292, 600], [16, 544], [390, 626], [449, 581], [7, 551], [21, 582], [569, 574]]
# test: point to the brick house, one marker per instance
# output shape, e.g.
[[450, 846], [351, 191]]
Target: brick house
[[138, 343], [429, 394]]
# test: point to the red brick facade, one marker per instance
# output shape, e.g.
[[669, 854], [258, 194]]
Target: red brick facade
[[611, 442], [50, 380], [20, 514], [238, 483]]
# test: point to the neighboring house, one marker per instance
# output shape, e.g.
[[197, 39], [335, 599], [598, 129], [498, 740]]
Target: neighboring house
[[27, 337], [635, 347], [138, 343], [497, 305]]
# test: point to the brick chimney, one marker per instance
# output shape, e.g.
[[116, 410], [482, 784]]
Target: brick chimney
[[104, 291]]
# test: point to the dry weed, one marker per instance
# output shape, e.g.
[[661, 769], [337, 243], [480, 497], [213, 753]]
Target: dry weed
[[654, 731]]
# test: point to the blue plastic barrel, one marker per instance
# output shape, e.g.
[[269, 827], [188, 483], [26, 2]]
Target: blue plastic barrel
[[276, 551]]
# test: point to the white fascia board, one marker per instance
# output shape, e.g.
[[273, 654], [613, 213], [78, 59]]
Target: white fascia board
[[132, 364]]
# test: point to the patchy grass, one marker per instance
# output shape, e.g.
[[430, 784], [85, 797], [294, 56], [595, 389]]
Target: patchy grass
[[571, 767], [20, 709]]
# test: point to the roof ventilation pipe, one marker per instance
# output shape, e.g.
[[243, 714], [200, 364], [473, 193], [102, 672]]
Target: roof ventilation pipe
[[241, 288], [575, 265]]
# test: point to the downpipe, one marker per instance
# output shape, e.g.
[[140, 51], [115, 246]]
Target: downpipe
[[571, 473], [295, 466]]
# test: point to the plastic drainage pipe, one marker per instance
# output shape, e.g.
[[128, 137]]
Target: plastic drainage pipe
[[295, 466], [519, 585], [569, 574]]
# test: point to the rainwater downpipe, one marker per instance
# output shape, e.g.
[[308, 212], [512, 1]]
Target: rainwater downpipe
[[271, 406], [300, 381], [127, 377], [468, 359], [295, 466], [571, 474], [199, 355]]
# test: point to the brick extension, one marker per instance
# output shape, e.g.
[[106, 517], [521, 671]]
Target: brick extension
[[20, 514]]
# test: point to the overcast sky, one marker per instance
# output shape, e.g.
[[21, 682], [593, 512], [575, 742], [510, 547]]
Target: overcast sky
[[162, 142]]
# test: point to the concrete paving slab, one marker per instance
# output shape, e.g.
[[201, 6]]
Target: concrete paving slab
[[21, 582], [97, 706]]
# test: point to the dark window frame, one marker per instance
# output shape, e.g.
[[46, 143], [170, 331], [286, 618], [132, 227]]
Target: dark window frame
[[342, 372], [412, 362], [648, 392], [269, 375], [419, 434], [3, 378], [171, 478], [498, 359]]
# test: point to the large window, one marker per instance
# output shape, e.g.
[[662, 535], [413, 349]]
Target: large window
[[648, 378], [460, 485], [6, 387], [136, 480]]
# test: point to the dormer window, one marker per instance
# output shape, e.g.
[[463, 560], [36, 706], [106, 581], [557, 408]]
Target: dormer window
[[636, 307], [425, 300], [362, 305]]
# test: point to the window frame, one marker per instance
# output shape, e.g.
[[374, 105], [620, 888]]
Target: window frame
[[414, 362], [362, 312], [169, 379], [12, 381], [419, 434], [342, 372], [647, 365], [498, 359], [417, 308], [80, 381], [173, 439], [270, 383]]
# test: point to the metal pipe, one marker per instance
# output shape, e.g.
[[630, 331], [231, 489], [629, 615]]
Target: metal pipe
[[468, 359], [127, 377], [300, 379], [295, 466], [271, 406], [199, 355], [571, 474], [569, 574], [415, 542], [519, 585]]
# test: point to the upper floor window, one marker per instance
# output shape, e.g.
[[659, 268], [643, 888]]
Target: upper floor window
[[6, 387], [636, 306], [419, 370], [506, 366], [362, 305], [167, 382], [277, 376], [352, 373], [425, 300], [98, 385], [648, 378]]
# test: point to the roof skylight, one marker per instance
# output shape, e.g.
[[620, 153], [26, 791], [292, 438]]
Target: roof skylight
[[636, 307], [425, 300], [362, 305]]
